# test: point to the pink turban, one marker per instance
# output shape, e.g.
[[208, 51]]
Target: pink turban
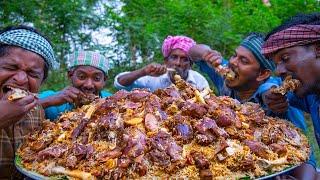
[[176, 42]]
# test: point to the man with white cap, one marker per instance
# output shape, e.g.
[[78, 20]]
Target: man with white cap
[[87, 71]]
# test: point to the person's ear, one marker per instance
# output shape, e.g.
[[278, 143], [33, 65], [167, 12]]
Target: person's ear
[[165, 60], [264, 74], [70, 73]]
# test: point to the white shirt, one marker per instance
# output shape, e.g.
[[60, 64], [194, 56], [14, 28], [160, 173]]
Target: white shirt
[[153, 83]]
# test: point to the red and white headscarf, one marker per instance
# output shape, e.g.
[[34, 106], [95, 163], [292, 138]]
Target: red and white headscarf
[[176, 42], [293, 36]]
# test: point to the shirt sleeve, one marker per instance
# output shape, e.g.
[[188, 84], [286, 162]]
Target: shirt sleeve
[[104, 94], [216, 78], [45, 94], [139, 83], [300, 103]]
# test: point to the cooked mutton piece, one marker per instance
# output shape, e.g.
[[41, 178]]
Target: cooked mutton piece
[[151, 122], [18, 94], [165, 145], [183, 132], [135, 141], [200, 160], [257, 148], [79, 129], [227, 117], [54, 151], [288, 84]]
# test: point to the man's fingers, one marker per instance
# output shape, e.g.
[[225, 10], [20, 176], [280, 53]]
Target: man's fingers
[[163, 69], [279, 107], [28, 107], [72, 95], [215, 61], [26, 100], [68, 99], [207, 57], [273, 96], [76, 91]]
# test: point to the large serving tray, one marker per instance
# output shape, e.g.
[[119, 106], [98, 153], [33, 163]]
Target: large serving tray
[[37, 176]]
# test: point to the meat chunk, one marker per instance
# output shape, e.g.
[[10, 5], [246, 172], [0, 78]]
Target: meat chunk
[[278, 148], [106, 155], [124, 162], [222, 144], [79, 150], [205, 139], [71, 161], [135, 141], [194, 110], [227, 117], [200, 161], [53, 151], [120, 95], [78, 130], [183, 132], [247, 163], [159, 157], [110, 121], [164, 143], [253, 113], [206, 174], [207, 131], [138, 95], [257, 148], [151, 122]]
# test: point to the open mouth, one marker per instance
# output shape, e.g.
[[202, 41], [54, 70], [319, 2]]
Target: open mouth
[[14, 93], [7, 88], [232, 75]]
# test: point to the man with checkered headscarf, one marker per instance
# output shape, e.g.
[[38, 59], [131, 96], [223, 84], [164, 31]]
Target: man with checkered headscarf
[[157, 76], [295, 47], [87, 71], [25, 58]]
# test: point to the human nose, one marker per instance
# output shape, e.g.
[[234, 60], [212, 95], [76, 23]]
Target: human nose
[[21, 78], [89, 84], [281, 70], [233, 62]]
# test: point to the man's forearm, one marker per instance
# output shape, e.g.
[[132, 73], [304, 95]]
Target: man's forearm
[[46, 102], [129, 78]]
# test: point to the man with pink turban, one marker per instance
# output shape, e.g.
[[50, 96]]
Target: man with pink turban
[[156, 76]]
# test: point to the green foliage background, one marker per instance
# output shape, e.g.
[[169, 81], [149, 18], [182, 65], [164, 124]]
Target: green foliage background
[[138, 27]]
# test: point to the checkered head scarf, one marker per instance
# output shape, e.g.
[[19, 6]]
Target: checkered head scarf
[[293, 36], [88, 58], [30, 41], [176, 42], [254, 44]]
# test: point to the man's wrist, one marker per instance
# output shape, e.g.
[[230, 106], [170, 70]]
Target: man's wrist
[[46, 102], [142, 72]]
